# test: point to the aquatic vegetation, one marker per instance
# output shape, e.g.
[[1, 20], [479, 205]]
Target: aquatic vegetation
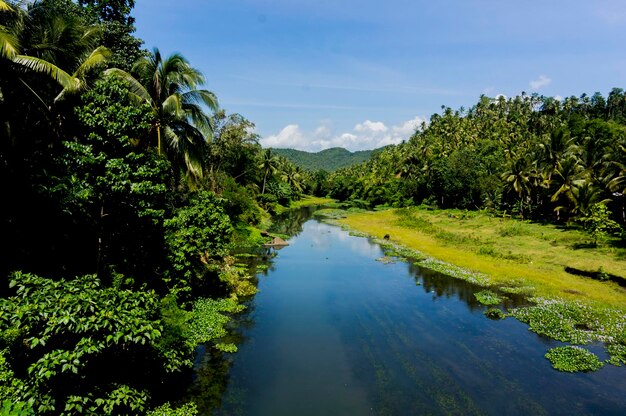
[[573, 359], [495, 313], [487, 297], [330, 213], [577, 323], [456, 271], [518, 290], [387, 259], [617, 354], [208, 322], [358, 234], [188, 409], [571, 321]]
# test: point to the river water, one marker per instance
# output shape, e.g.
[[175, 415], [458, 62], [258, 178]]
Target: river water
[[333, 331]]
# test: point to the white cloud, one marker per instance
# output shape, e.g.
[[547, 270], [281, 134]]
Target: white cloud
[[366, 135], [371, 126], [408, 127], [324, 130], [542, 81], [290, 136]]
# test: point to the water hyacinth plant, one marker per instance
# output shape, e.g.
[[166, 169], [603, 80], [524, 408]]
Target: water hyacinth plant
[[573, 359], [487, 297]]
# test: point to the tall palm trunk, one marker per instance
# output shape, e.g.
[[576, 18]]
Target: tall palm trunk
[[159, 139], [264, 180]]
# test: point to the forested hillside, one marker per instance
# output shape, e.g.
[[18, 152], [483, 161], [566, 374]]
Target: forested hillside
[[328, 160], [531, 156]]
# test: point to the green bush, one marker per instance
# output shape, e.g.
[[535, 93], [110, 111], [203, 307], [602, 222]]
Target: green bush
[[197, 238], [63, 330]]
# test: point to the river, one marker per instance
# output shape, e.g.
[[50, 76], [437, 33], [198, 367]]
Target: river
[[333, 331]]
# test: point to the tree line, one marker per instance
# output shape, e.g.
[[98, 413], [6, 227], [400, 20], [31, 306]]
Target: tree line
[[536, 157], [126, 188]]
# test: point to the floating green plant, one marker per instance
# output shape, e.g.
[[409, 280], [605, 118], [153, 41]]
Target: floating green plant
[[573, 359], [386, 259], [518, 290], [617, 354], [577, 323], [487, 297], [571, 321], [330, 213], [495, 313]]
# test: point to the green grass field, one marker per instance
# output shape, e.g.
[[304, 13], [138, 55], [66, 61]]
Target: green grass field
[[508, 251]]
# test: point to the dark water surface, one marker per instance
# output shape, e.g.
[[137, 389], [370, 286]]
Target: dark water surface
[[332, 331]]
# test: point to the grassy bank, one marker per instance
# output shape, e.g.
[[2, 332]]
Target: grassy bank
[[507, 251], [309, 200], [305, 201]]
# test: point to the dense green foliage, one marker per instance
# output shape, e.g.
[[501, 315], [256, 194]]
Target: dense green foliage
[[328, 160], [74, 339], [533, 156], [118, 260]]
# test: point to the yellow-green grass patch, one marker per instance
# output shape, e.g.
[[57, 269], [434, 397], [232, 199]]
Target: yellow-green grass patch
[[309, 200], [509, 251]]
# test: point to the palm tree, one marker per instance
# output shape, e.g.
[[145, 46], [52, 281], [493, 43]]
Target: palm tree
[[292, 175], [170, 86], [565, 180], [558, 147], [269, 166], [45, 43], [8, 42], [585, 195], [37, 40], [520, 177]]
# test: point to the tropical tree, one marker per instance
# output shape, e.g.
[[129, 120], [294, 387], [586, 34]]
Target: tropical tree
[[8, 42], [292, 176], [268, 165], [60, 46], [519, 177], [565, 181], [171, 86]]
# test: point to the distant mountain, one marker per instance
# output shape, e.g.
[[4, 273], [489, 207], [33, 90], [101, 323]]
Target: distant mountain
[[328, 160]]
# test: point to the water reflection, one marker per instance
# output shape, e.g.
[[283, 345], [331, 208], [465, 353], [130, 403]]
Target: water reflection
[[291, 221]]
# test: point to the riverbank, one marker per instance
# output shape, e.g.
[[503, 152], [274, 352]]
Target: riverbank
[[507, 251], [515, 257], [305, 201]]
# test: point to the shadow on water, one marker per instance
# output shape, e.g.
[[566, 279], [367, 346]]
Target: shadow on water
[[332, 331]]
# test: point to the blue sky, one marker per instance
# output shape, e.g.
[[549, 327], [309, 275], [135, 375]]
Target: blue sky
[[313, 74]]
